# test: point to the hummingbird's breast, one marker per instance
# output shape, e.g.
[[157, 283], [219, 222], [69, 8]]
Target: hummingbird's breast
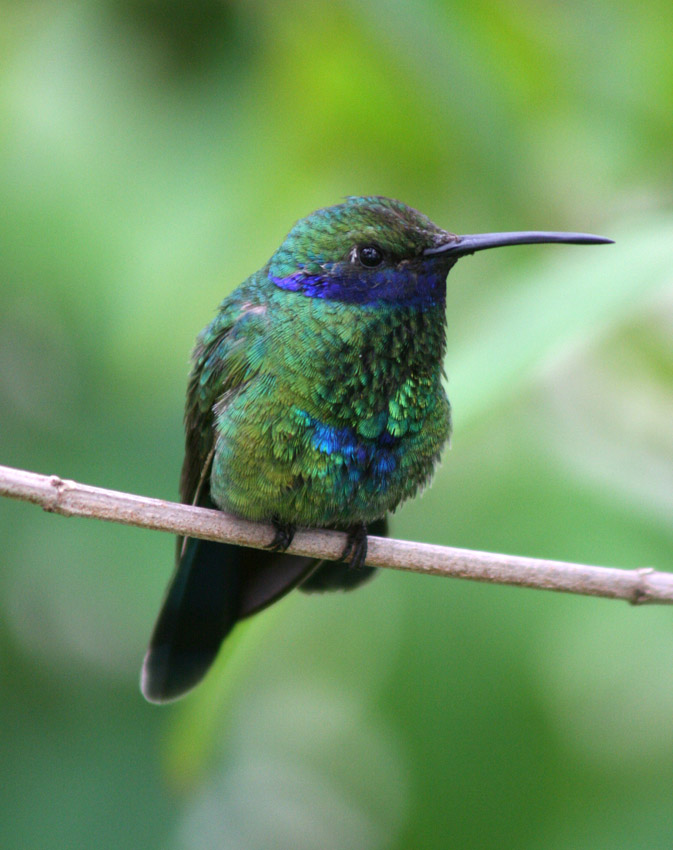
[[347, 422]]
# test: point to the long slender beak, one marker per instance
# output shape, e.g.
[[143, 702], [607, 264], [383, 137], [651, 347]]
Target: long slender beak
[[461, 245]]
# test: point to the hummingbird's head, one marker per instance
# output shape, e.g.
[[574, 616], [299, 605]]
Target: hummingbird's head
[[363, 251], [369, 250]]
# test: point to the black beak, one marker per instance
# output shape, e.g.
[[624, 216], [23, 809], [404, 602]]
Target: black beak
[[459, 246]]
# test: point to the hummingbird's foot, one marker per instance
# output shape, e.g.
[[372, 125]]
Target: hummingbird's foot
[[283, 537], [356, 546]]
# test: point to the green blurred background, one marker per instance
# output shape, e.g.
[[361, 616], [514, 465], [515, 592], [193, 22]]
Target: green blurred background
[[153, 155]]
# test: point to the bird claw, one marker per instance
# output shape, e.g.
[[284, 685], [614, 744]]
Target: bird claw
[[283, 537], [355, 551]]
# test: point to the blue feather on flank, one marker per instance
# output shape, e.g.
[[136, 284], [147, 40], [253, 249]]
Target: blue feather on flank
[[373, 458]]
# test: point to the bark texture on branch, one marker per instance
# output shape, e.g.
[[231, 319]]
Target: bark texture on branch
[[57, 495]]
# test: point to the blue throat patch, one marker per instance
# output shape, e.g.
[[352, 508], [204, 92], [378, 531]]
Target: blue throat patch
[[386, 286]]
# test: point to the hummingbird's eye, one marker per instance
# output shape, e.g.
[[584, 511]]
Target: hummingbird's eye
[[370, 256]]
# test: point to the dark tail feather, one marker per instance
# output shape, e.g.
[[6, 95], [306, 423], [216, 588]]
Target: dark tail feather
[[270, 575], [215, 584], [200, 608]]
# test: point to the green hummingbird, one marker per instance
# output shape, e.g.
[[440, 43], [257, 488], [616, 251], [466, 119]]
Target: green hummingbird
[[315, 399]]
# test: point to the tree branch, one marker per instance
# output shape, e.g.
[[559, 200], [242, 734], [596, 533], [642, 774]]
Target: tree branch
[[54, 494]]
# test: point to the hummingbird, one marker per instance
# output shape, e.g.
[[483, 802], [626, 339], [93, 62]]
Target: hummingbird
[[315, 399]]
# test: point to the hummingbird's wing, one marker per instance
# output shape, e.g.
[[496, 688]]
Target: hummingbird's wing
[[223, 364], [214, 584], [228, 356]]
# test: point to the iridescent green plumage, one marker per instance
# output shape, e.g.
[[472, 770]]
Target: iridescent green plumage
[[315, 399], [313, 369]]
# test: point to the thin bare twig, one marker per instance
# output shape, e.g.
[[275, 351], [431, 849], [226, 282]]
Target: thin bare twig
[[57, 495]]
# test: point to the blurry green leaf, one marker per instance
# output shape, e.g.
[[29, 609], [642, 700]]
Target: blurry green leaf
[[608, 687], [305, 766]]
